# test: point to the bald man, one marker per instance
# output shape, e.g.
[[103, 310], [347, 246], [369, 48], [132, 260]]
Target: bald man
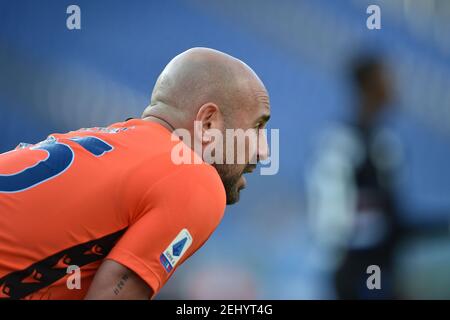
[[106, 213]]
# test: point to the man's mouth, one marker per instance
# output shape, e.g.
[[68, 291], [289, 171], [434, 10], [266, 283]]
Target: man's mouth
[[244, 183], [249, 169]]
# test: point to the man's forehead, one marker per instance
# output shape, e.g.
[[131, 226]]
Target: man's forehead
[[263, 102], [262, 97]]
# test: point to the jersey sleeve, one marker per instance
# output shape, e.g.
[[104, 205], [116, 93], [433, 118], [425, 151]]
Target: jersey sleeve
[[180, 213]]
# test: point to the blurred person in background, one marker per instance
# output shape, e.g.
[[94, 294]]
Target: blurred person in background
[[352, 205]]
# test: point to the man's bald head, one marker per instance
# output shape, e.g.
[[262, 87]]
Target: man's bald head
[[202, 75], [219, 92]]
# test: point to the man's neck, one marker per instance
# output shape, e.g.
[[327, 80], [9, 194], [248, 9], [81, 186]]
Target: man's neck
[[161, 121]]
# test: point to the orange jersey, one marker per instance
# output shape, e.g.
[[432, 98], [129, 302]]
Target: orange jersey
[[115, 193]]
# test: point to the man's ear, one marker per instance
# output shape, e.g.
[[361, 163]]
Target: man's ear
[[209, 117]]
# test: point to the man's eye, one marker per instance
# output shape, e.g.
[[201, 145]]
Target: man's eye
[[260, 126]]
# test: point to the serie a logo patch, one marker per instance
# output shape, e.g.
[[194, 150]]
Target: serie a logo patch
[[170, 257]]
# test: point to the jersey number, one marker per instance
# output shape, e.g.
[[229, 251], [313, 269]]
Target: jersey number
[[59, 158]]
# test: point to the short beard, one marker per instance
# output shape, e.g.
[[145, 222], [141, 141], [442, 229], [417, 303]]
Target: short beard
[[229, 180]]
